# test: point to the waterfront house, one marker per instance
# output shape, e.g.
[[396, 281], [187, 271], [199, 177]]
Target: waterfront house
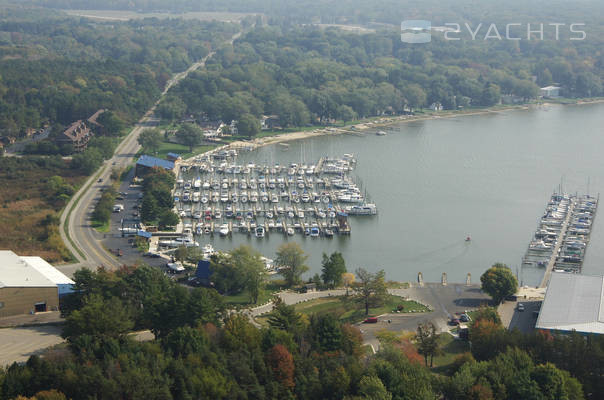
[[436, 107], [550, 92]]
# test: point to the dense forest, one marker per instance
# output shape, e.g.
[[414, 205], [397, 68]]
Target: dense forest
[[201, 351], [57, 69], [307, 74]]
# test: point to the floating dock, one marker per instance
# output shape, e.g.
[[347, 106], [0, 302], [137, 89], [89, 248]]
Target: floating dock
[[563, 234], [313, 199]]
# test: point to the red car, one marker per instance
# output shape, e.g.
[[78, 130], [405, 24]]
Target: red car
[[371, 320]]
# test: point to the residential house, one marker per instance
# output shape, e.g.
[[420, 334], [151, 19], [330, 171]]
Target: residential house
[[78, 135], [269, 122], [436, 107], [551, 92], [94, 124]]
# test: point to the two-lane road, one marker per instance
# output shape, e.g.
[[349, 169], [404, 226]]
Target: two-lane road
[[85, 242]]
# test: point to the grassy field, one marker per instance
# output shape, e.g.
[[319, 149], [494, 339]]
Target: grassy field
[[27, 200], [102, 227], [451, 349], [243, 298], [182, 150], [346, 311]]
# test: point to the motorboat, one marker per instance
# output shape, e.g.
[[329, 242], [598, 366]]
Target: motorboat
[[259, 231], [290, 232], [224, 230], [314, 231]]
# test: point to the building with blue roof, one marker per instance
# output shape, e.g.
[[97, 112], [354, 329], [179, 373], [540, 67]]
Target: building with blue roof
[[203, 273], [173, 156], [146, 162]]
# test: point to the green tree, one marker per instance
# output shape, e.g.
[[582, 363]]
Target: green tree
[[189, 135], [372, 388], [168, 218], [284, 317], [427, 342], [98, 317], [149, 208], [346, 113], [370, 288], [150, 140], [291, 261], [248, 125], [112, 124], [499, 282], [333, 269], [250, 265]]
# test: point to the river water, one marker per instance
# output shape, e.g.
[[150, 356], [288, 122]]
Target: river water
[[437, 181]]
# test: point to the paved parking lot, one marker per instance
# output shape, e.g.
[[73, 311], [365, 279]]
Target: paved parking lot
[[18, 344]]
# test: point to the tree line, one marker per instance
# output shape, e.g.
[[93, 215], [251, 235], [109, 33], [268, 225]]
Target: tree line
[[307, 75], [57, 69], [202, 351]]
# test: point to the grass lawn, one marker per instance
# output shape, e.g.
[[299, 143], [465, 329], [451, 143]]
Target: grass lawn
[[451, 348], [102, 227], [243, 298], [349, 312], [180, 149]]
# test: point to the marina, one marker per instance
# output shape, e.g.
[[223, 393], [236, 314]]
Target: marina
[[561, 239], [214, 195], [434, 184]]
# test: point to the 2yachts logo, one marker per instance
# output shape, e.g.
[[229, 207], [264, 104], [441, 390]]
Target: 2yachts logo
[[420, 31]]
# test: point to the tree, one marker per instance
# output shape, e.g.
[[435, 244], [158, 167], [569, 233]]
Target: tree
[[348, 280], [499, 282], [149, 208], [371, 288], [290, 259], [281, 364], [249, 263], [98, 317], [333, 269], [168, 218], [248, 125], [346, 113], [150, 140], [112, 124], [284, 317], [372, 388], [427, 341], [189, 135]]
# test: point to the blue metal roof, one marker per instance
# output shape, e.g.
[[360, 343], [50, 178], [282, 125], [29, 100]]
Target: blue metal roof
[[203, 270], [149, 161], [144, 234], [173, 155]]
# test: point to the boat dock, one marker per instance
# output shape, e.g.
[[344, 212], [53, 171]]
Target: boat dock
[[214, 194], [560, 241]]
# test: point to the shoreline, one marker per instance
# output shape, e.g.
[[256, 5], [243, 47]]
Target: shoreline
[[383, 122]]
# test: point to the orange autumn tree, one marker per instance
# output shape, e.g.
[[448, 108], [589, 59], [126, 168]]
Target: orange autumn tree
[[281, 363]]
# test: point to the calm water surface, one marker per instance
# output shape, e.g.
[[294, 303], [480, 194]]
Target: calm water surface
[[437, 181]]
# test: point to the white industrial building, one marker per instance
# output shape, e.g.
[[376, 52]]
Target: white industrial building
[[29, 284], [573, 302]]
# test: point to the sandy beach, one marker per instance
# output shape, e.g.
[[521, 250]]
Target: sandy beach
[[382, 122]]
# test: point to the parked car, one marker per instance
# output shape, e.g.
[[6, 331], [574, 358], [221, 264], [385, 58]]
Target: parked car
[[520, 307], [454, 321], [464, 318], [371, 320]]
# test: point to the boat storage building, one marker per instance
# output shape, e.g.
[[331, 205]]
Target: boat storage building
[[573, 302], [29, 284]]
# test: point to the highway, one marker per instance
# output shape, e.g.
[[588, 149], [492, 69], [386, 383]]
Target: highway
[[76, 215]]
